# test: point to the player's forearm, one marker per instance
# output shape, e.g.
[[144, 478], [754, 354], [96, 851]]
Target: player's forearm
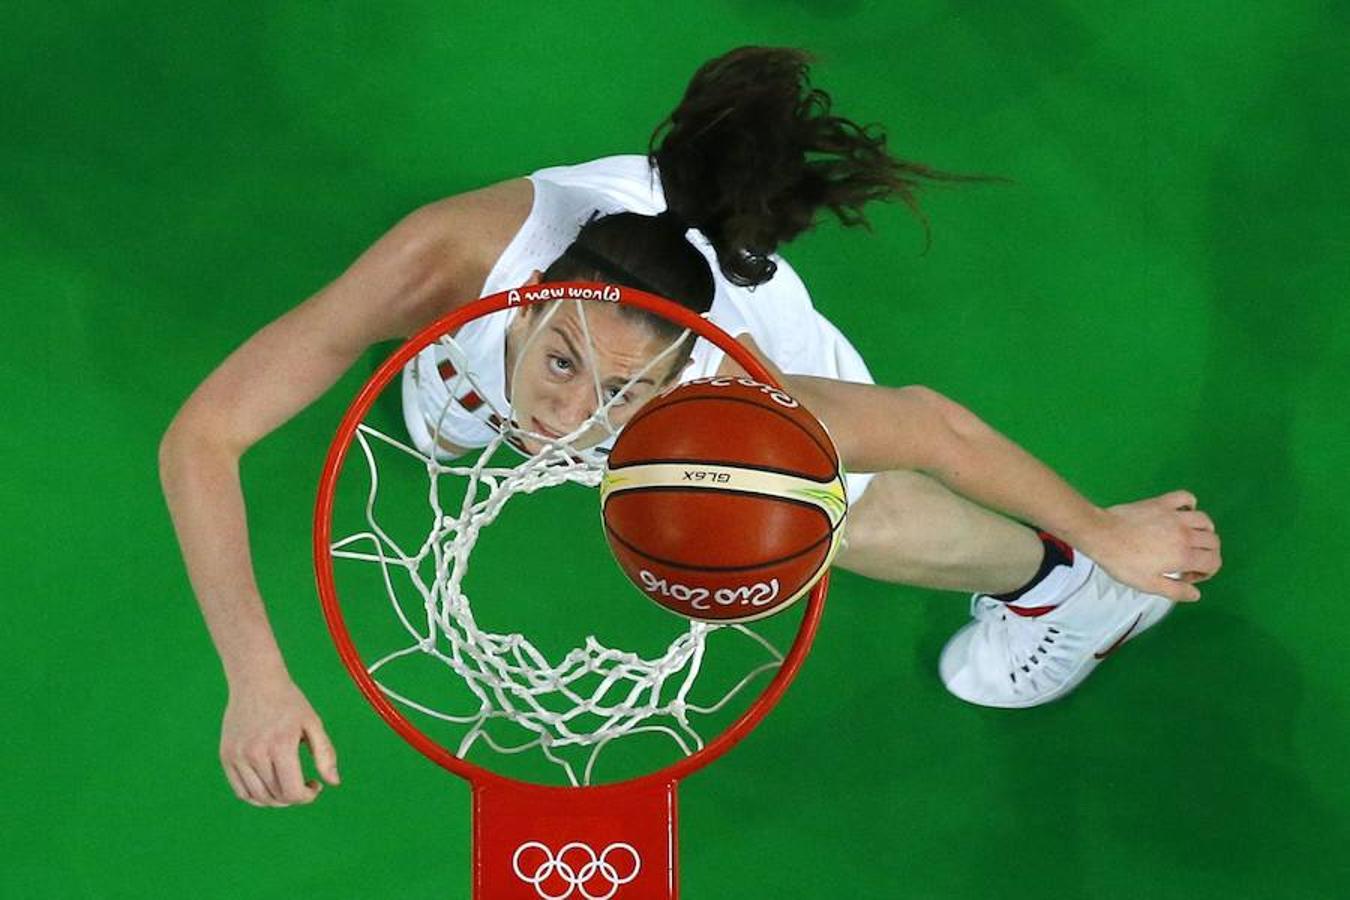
[[977, 462], [202, 489]]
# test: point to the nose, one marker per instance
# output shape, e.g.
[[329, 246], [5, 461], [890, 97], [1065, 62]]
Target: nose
[[574, 405]]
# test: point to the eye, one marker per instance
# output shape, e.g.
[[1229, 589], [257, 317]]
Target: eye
[[559, 365], [616, 397]]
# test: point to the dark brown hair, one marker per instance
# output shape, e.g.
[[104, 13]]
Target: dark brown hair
[[750, 157], [650, 253], [753, 152]]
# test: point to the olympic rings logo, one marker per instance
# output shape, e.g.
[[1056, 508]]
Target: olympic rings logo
[[576, 866]]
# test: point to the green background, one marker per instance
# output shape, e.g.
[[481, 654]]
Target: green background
[[1158, 302]]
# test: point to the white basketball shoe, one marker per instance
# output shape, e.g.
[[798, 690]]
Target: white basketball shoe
[[1010, 660]]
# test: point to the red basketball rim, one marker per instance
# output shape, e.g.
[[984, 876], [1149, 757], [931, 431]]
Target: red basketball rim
[[323, 560]]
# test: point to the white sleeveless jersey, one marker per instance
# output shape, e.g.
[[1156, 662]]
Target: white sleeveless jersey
[[777, 314]]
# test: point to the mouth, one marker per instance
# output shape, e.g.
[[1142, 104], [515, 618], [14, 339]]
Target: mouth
[[539, 428]]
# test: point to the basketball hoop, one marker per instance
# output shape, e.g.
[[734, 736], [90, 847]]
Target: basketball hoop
[[582, 839]]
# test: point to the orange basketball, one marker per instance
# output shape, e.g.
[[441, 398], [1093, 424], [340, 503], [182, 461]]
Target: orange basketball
[[723, 500]]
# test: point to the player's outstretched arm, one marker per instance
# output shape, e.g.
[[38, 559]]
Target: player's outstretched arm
[[880, 428], [433, 259]]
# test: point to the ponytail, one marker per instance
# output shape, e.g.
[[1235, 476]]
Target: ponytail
[[752, 153]]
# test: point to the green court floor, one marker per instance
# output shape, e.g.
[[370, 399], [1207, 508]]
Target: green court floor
[[1159, 300]]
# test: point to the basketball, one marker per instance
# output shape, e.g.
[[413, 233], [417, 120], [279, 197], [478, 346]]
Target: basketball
[[723, 500]]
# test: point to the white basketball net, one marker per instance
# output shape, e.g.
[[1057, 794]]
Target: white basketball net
[[591, 695]]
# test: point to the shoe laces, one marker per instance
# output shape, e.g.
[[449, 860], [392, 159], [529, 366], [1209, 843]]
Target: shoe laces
[[1025, 645]]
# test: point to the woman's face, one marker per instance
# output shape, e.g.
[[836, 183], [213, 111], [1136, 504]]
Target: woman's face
[[556, 378]]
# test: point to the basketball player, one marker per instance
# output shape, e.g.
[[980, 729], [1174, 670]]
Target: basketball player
[[743, 165]]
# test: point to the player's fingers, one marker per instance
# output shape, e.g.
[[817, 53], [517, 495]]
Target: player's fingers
[[1173, 587], [325, 754], [237, 785], [268, 773], [257, 787], [1201, 560], [260, 764], [290, 778], [1205, 540], [1180, 499], [1198, 520], [1196, 577]]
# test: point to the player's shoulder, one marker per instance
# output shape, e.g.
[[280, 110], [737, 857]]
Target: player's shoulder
[[471, 229], [627, 167], [610, 184], [505, 203]]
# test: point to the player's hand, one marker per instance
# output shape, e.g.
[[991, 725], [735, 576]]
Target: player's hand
[[265, 723], [1162, 545]]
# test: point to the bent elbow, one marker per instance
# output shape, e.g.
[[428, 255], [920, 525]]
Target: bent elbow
[[936, 428], [173, 444], [187, 437], [943, 410]]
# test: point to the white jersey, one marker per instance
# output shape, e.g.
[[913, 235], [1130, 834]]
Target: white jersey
[[778, 314]]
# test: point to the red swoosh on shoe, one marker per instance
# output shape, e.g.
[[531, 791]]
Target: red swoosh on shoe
[[1120, 640]]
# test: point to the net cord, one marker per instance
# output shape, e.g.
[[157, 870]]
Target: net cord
[[570, 709]]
